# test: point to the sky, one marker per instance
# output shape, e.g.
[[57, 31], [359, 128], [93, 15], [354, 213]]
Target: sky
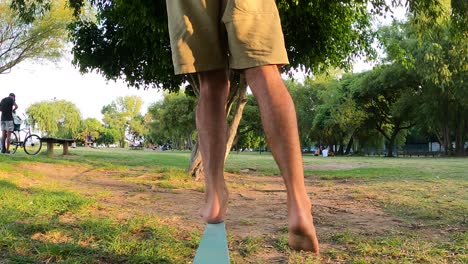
[[35, 82]]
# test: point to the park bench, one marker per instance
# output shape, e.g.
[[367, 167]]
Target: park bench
[[417, 153], [374, 153], [62, 141], [135, 147]]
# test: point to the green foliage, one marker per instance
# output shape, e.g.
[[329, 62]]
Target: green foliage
[[351, 110], [38, 39], [306, 101], [331, 32], [58, 118], [135, 35], [338, 116], [172, 120], [123, 115], [250, 132], [108, 136], [437, 55], [390, 95], [90, 125]]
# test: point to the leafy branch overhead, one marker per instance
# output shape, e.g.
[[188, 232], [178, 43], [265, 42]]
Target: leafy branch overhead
[[42, 38], [129, 39]]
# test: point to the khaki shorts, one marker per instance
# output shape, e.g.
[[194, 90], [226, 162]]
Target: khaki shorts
[[7, 125], [204, 36]]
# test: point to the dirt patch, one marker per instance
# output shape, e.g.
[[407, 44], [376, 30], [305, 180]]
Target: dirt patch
[[257, 205]]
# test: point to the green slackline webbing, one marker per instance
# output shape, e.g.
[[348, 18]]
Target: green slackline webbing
[[213, 248]]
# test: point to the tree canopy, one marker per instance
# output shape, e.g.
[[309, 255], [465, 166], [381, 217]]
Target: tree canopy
[[438, 57], [59, 118], [40, 38], [130, 40], [123, 115], [172, 121]]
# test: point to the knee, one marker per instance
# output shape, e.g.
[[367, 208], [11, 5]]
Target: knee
[[264, 72], [214, 84]]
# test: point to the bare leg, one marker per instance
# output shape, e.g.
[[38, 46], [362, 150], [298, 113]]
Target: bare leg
[[212, 134], [3, 141], [280, 125], [8, 140]]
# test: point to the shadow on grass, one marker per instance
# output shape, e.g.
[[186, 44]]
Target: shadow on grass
[[40, 226]]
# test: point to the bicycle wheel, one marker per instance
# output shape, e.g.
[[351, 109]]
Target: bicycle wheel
[[14, 143], [32, 144]]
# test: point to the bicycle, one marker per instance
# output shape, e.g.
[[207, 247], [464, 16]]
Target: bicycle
[[32, 143]]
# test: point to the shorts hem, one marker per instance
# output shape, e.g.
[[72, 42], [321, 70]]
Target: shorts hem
[[251, 64], [187, 69], [7, 126]]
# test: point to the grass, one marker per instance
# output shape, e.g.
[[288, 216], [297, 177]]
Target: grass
[[38, 225], [41, 221], [398, 248]]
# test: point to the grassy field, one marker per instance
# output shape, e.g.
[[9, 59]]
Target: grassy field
[[68, 210]]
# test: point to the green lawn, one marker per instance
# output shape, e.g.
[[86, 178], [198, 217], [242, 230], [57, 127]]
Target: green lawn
[[42, 222]]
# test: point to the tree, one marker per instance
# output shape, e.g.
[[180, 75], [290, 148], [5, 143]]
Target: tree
[[250, 132], [390, 95], [338, 116], [306, 100], [58, 118], [108, 136], [90, 125], [123, 115], [437, 54], [443, 54], [173, 120], [42, 38]]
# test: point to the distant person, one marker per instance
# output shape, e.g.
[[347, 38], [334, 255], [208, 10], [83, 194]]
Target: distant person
[[325, 152], [317, 151], [89, 139], [7, 106], [211, 37]]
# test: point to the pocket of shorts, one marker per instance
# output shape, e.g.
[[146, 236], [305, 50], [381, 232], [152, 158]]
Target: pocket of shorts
[[255, 6]]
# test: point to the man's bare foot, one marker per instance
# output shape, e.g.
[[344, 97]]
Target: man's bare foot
[[302, 235], [214, 210]]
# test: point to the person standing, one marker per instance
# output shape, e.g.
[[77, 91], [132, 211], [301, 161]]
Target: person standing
[[212, 37], [7, 106]]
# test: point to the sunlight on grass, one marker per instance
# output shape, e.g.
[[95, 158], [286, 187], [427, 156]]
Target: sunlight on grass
[[394, 248], [34, 213]]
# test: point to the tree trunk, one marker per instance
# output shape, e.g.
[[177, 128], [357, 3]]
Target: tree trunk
[[241, 101], [341, 149], [390, 148], [350, 145], [196, 165], [391, 143], [460, 137], [447, 141], [189, 141]]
